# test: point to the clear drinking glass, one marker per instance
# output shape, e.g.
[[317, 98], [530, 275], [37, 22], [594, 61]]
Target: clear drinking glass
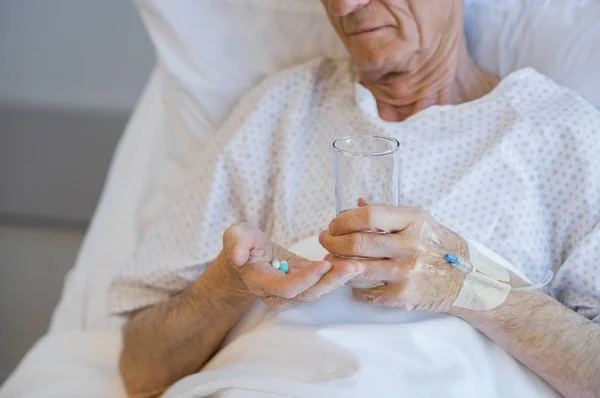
[[366, 166]]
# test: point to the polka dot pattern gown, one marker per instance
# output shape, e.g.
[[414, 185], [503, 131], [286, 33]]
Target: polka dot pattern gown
[[516, 170]]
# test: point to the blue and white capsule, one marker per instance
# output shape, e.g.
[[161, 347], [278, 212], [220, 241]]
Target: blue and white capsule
[[280, 265]]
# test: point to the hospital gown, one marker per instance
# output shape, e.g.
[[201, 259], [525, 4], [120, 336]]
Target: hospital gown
[[515, 170]]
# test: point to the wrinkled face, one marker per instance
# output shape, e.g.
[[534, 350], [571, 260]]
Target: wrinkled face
[[390, 37]]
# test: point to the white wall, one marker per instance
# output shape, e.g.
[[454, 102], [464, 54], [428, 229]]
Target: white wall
[[91, 54]]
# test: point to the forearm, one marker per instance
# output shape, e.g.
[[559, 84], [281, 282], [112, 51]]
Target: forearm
[[553, 341], [171, 340]]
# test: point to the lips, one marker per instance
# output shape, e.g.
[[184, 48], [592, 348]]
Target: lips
[[364, 30]]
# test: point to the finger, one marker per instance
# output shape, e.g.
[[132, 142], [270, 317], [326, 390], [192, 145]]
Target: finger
[[358, 282], [362, 202], [277, 303], [368, 244], [240, 239], [270, 281], [340, 273], [377, 270], [240, 253], [382, 296], [354, 284], [376, 218]]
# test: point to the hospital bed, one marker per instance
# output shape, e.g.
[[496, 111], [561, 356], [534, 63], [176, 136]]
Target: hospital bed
[[209, 52]]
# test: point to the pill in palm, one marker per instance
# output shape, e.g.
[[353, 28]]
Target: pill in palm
[[284, 267]]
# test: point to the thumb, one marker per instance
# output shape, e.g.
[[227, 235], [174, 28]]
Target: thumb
[[363, 202], [240, 254], [238, 241]]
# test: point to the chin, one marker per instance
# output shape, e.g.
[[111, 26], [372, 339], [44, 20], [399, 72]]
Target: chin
[[376, 64]]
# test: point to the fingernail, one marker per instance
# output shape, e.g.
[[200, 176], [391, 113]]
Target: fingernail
[[331, 226], [321, 235], [324, 270]]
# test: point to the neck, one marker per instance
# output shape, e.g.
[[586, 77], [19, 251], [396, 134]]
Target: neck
[[452, 79]]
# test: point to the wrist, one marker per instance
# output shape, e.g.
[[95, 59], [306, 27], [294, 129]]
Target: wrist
[[506, 315], [220, 279]]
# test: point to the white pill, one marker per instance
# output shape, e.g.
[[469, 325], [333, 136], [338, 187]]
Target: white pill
[[275, 263]]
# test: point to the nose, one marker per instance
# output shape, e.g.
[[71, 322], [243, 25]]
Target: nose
[[339, 8]]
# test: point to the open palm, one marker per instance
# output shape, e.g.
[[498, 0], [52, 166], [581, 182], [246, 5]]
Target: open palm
[[251, 252]]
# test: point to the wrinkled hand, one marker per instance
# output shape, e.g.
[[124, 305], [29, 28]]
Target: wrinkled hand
[[249, 252], [408, 258]]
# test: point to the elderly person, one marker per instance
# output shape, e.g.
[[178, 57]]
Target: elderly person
[[509, 164]]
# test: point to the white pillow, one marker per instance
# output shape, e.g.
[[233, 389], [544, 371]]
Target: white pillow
[[216, 50], [560, 38], [209, 53]]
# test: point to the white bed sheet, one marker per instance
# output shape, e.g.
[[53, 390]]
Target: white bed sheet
[[69, 364]]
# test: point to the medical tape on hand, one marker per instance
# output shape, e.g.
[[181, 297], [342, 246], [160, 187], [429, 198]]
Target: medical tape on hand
[[486, 265], [485, 286]]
